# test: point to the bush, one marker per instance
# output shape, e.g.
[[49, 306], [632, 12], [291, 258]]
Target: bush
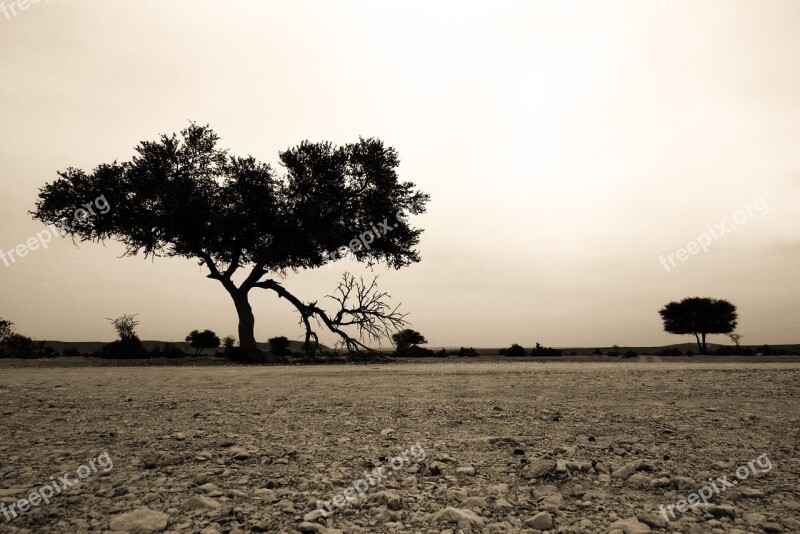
[[469, 353], [630, 354], [443, 353], [597, 352], [513, 351], [415, 351], [127, 348], [670, 352], [539, 350], [614, 351], [167, 350], [734, 351], [279, 346], [18, 346]]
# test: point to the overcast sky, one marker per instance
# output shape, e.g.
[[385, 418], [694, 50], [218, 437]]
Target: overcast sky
[[566, 145]]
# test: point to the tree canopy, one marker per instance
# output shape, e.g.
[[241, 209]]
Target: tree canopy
[[700, 317]]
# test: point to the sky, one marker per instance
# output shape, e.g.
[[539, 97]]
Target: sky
[[571, 150]]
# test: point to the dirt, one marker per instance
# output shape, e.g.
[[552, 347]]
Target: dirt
[[505, 446]]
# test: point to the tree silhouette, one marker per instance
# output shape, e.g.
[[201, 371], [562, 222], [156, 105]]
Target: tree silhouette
[[405, 339], [247, 223], [202, 340], [6, 330], [699, 316]]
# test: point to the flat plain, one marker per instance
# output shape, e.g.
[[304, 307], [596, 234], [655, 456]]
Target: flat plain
[[509, 446]]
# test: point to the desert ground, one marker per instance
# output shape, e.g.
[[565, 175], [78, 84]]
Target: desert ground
[[501, 446]]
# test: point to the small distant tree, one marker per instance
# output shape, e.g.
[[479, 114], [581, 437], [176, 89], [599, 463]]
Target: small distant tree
[[128, 345], [202, 340], [125, 326], [597, 352], [737, 339], [699, 317], [406, 339], [279, 346]]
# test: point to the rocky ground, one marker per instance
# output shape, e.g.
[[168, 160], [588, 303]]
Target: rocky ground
[[508, 447]]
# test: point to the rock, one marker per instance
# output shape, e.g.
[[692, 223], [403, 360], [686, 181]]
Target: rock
[[541, 521], [464, 519], [474, 503], [772, 526], [200, 502], [652, 520], [544, 491], [719, 510], [391, 499], [466, 470], [387, 431], [140, 521], [630, 526], [638, 481], [238, 453], [314, 515], [150, 459], [539, 469], [753, 519], [630, 468]]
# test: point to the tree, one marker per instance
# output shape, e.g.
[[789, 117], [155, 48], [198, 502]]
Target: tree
[[6, 330], [125, 326], [247, 223], [406, 339], [737, 340], [128, 345], [700, 317], [203, 340]]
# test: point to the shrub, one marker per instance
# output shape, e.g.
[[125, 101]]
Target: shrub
[[443, 353], [124, 349], [279, 346], [597, 352], [630, 354], [614, 351], [539, 350], [514, 350], [167, 350], [469, 353], [670, 352], [418, 352]]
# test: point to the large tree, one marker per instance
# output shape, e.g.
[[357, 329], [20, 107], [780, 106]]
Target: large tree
[[407, 339], [700, 317], [249, 224]]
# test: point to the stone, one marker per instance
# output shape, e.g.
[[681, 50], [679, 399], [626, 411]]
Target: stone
[[140, 521], [541, 521], [464, 519], [539, 469], [200, 502], [630, 526]]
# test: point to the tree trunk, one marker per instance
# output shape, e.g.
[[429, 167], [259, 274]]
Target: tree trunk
[[699, 343], [247, 321], [705, 347]]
